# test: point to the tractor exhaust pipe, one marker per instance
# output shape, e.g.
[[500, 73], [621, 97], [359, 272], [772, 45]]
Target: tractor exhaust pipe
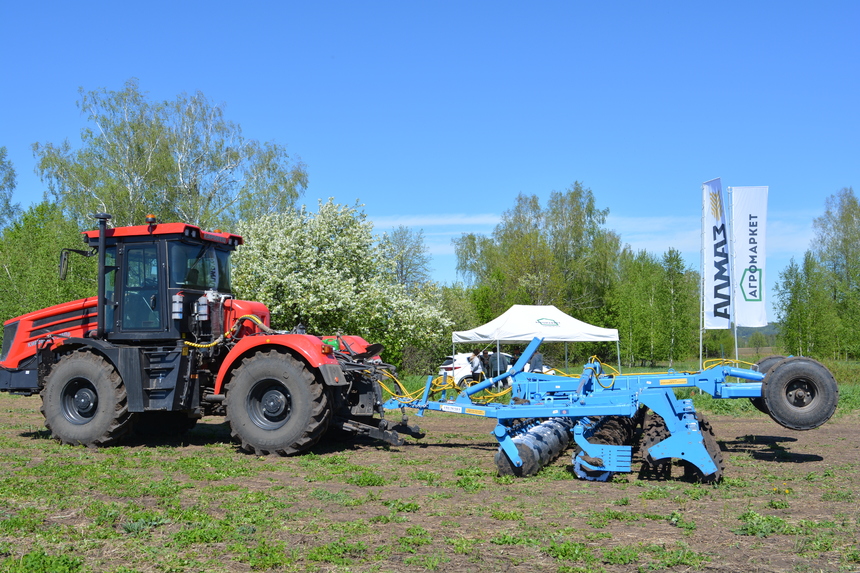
[[103, 218]]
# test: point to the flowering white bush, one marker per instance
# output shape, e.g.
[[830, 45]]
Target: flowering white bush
[[327, 271]]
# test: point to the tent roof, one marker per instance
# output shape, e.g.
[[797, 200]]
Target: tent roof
[[522, 323]]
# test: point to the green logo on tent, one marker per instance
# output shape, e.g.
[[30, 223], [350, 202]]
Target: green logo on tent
[[546, 322]]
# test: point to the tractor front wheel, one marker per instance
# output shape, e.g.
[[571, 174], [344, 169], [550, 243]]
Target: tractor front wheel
[[275, 405], [84, 401]]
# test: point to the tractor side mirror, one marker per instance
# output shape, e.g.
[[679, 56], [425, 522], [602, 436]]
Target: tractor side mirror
[[64, 264], [64, 260]]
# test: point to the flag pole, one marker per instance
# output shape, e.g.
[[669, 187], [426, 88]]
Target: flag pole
[[702, 285], [730, 231]]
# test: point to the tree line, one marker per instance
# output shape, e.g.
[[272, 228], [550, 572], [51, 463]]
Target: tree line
[[326, 269]]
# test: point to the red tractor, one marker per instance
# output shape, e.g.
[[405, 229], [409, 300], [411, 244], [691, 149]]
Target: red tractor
[[165, 343]]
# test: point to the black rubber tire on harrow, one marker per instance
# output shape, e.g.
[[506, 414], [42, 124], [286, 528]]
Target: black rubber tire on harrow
[[84, 401], [763, 366], [275, 405], [800, 393]]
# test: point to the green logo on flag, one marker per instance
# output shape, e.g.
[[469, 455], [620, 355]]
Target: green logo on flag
[[751, 285]]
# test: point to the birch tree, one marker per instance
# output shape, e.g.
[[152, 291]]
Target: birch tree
[[180, 160]]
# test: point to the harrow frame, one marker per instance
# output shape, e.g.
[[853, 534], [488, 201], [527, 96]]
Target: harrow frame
[[546, 410]]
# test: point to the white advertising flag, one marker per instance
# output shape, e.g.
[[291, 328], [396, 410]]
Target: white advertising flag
[[749, 218], [716, 282]]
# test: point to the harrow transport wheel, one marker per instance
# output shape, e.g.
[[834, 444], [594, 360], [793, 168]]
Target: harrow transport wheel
[[84, 401], [763, 366], [800, 393], [275, 405]]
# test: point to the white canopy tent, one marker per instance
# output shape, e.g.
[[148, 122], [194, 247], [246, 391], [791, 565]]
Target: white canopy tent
[[522, 323]]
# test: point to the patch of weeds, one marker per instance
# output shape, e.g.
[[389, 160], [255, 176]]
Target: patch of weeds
[[340, 497], [214, 466], [697, 493], [852, 555], [144, 524], [844, 495], [40, 562], [729, 483], [677, 519], [507, 515], [397, 505], [621, 555], [255, 508], [27, 520], [103, 514], [366, 479], [814, 544], [508, 538], [471, 479], [556, 473], [778, 504], [600, 519], [658, 492], [428, 477], [430, 562], [265, 555], [622, 502], [571, 551], [354, 528], [338, 552], [504, 480], [165, 488], [595, 535], [390, 518], [462, 545], [201, 533], [762, 525], [415, 537], [782, 490], [681, 555], [579, 569]]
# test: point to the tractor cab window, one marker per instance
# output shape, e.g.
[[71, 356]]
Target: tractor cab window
[[140, 309], [199, 267]]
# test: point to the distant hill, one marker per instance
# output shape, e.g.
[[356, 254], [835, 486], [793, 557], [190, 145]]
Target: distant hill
[[771, 331]]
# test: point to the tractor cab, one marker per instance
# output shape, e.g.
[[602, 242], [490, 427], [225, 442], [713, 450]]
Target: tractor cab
[[161, 279]]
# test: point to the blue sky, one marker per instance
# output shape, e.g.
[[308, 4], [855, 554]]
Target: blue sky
[[437, 114]]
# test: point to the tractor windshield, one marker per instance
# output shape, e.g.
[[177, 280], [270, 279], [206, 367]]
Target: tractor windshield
[[199, 267]]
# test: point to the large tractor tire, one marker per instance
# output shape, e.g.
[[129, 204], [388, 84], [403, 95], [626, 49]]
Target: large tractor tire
[[763, 366], [275, 405], [84, 401], [800, 393]]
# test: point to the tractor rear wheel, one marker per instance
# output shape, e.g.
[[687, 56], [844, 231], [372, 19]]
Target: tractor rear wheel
[[84, 401], [275, 405], [800, 393]]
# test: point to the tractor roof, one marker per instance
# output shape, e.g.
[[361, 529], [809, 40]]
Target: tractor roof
[[167, 229]]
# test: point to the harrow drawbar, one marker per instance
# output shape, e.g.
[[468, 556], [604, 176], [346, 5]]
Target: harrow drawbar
[[603, 414]]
